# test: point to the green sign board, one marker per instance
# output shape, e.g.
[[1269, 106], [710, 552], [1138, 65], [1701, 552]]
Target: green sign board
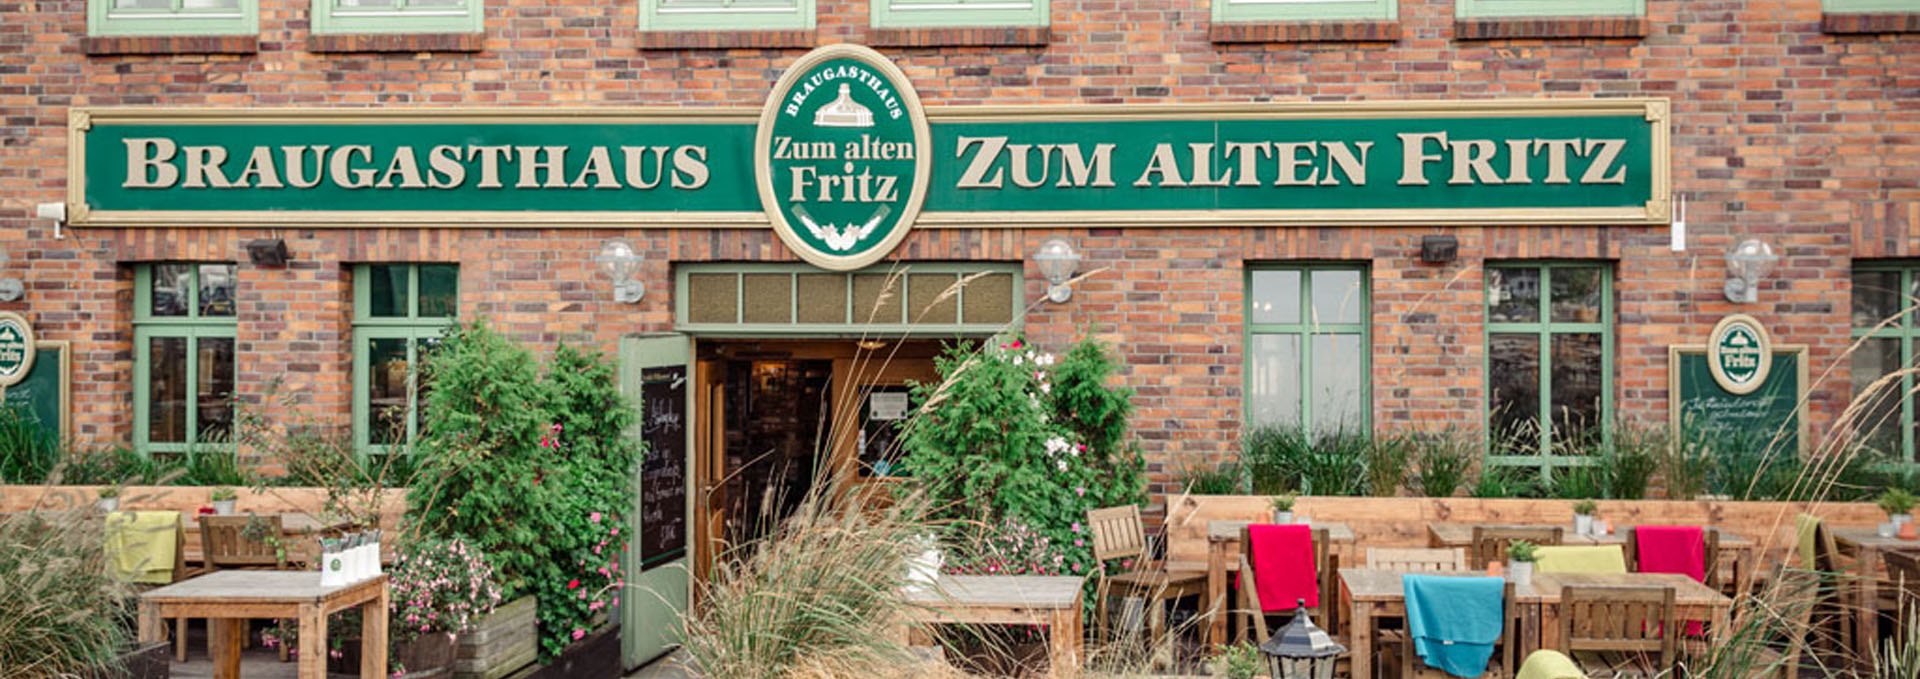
[[1700, 406], [16, 348], [42, 393]]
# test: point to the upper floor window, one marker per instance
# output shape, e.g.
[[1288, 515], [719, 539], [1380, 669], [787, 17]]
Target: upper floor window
[[958, 13], [1549, 357], [723, 15], [399, 313], [172, 17], [1307, 353], [398, 16], [1884, 326], [1869, 6], [1484, 9], [1228, 11], [183, 356]]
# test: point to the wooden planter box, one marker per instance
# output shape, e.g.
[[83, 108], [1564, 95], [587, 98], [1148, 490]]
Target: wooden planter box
[[597, 656], [501, 643], [150, 661]]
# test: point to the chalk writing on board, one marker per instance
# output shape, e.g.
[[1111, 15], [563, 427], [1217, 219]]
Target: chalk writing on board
[[663, 474]]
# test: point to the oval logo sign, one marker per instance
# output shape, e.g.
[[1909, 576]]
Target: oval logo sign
[[1739, 354], [16, 348], [840, 157]]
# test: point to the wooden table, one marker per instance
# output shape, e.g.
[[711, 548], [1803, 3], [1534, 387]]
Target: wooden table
[[1223, 540], [1736, 551], [1865, 545], [1051, 601], [1373, 594], [228, 599]]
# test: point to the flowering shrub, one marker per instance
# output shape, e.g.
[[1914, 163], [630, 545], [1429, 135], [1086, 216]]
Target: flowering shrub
[[439, 586], [1010, 549]]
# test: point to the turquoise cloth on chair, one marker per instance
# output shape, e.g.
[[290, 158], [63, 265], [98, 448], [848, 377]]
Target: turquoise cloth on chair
[[1455, 621]]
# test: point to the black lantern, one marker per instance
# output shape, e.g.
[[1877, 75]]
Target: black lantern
[[1301, 650]]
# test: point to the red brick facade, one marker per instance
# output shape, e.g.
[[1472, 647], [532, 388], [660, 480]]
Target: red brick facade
[[1781, 131]]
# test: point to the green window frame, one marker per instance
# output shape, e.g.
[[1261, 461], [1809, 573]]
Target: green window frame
[[726, 15], [1497, 9], [893, 299], [1273, 11], [398, 16], [1882, 292], [415, 330], [1314, 335], [1869, 6], [179, 17], [1547, 326], [958, 13], [194, 327]]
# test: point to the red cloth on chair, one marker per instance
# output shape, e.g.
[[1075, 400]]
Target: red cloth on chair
[[1673, 549], [1283, 567]]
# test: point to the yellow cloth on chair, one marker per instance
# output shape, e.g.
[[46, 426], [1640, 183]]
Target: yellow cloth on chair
[[140, 546], [1581, 559], [1550, 665], [1806, 528]]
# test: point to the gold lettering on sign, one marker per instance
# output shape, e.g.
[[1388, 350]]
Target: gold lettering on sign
[[150, 157]]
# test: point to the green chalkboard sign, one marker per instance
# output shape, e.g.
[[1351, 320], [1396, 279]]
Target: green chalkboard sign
[[1776, 408], [43, 392]]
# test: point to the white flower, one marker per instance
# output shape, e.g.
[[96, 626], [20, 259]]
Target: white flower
[[1063, 465], [1018, 359], [1046, 388], [1043, 359]]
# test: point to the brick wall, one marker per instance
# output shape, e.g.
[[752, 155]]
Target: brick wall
[[1808, 139]]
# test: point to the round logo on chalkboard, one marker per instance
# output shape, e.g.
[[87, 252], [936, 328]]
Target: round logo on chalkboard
[[841, 157], [1739, 353], [16, 348]]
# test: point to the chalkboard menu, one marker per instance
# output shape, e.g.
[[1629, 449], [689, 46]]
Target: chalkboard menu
[[43, 392], [663, 475], [1698, 402]]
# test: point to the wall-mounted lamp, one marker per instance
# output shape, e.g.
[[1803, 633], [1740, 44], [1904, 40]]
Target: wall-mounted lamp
[[267, 252], [11, 289], [1057, 261], [1747, 263], [1439, 249], [620, 262]]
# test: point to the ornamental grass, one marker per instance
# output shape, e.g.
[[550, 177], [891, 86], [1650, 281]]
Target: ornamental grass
[[61, 614]]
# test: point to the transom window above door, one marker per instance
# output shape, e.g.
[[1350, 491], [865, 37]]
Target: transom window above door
[[921, 298]]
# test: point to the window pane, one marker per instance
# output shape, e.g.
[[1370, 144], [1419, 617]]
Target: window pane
[[376, 4], [712, 298], [1336, 297], [1274, 379], [209, 4], [1513, 295], [1576, 295], [1513, 362], [1338, 378], [1275, 297], [1878, 420], [215, 383], [436, 3], [989, 299], [167, 390], [1577, 390], [439, 291], [387, 390], [172, 288], [928, 301], [216, 289], [387, 291], [1876, 297], [767, 298], [143, 4]]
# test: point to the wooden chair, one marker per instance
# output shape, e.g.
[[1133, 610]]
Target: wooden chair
[[1326, 566], [224, 544], [1490, 542], [1119, 535], [1632, 630], [1833, 606], [1712, 538], [180, 573], [1452, 560], [1502, 663], [1790, 601], [1903, 573]]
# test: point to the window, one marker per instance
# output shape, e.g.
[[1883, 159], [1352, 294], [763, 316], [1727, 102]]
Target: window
[[398, 16], [1883, 295], [173, 17], [1484, 9], [183, 359], [953, 13], [1307, 347], [725, 15], [1868, 6], [1549, 358], [1227, 11], [975, 298], [399, 311]]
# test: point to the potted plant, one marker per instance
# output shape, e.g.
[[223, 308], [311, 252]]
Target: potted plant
[[1520, 557], [439, 588], [1282, 509], [1583, 516], [224, 499], [109, 499], [1898, 504]]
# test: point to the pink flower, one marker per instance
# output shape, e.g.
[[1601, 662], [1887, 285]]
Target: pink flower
[[578, 633], [594, 517], [1076, 526], [616, 531], [573, 584]]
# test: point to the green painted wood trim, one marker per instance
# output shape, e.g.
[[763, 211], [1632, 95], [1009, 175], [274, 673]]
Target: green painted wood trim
[[329, 17], [725, 15], [192, 327], [1484, 9], [958, 13], [1869, 6], [852, 328], [1905, 330], [1256, 11], [1306, 331], [659, 595], [1546, 328], [367, 328], [104, 20]]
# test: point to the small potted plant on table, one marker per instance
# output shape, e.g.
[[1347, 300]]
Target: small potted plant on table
[[1520, 557], [1583, 516], [1898, 504], [109, 499], [1282, 509], [224, 499]]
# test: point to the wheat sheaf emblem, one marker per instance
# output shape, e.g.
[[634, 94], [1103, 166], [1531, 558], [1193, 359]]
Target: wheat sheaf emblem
[[841, 238]]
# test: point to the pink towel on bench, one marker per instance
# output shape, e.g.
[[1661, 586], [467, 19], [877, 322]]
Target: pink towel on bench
[[1673, 549], [1283, 568]]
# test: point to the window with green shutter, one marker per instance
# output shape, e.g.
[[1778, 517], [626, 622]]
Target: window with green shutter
[[958, 13], [1272, 11], [399, 314], [1549, 359], [172, 17], [1869, 6], [183, 356], [1885, 330], [1494, 9], [1307, 349], [725, 15], [398, 16]]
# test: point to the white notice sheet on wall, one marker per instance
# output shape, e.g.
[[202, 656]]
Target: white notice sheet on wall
[[887, 406]]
